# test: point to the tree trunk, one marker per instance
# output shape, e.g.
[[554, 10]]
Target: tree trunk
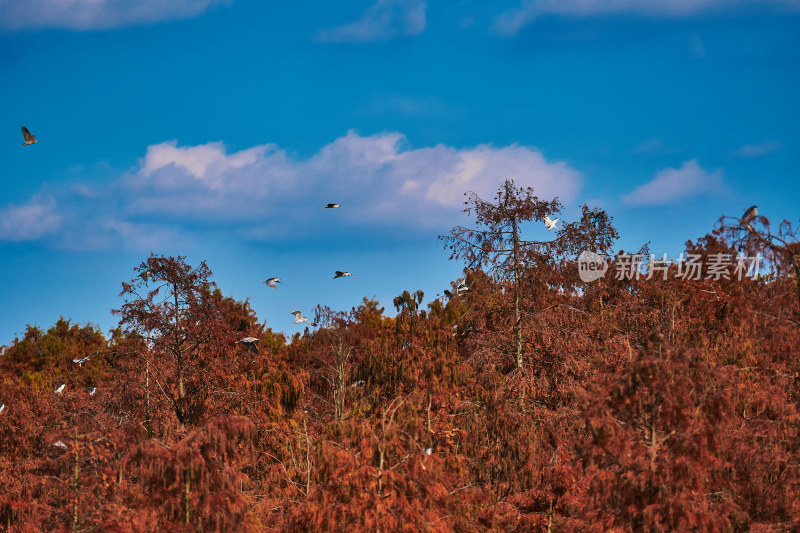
[[76, 472], [517, 314]]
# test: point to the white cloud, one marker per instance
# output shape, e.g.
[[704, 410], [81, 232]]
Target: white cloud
[[383, 21], [264, 192], [511, 21], [96, 14], [755, 150], [671, 185], [30, 221]]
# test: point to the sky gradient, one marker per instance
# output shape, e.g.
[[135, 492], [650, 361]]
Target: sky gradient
[[218, 130]]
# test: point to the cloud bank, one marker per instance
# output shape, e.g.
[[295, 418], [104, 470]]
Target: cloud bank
[[383, 21], [264, 192], [96, 14], [673, 184], [511, 21]]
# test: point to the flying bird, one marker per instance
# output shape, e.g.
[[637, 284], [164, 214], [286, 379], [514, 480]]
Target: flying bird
[[749, 215], [250, 343], [59, 444], [550, 223], [340, 274], [272, 282], [92, 391], [61, 388], [331, 206], [298, 317], [29, 137], [83, 359]]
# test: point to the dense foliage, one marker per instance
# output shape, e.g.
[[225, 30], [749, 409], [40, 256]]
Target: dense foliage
[[638, 404]]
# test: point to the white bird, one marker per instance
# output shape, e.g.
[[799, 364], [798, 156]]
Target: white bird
[[61, 388], [749, 215], [331, 206], [550, 223], [83, 359], [92, 391], [340, 274], [250, 343], [2, 408], [427, 451], [272, 282], [28, 136], [357, 383], [298, 317], [59, 444], [461, 288]]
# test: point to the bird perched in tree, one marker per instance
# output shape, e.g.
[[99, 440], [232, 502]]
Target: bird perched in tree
[[461, 288], [298, 317], [28, 136], [340, 274], [250, 343], [61, 388], [2, 408], [749, 215], [272, 282], [550, 223], [331, 206], [59, 444], [83, 359], [92, 391]]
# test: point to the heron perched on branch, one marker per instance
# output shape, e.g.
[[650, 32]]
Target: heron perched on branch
[[749, 215], [28, 136]]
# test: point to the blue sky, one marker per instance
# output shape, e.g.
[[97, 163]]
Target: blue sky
[[218, 129]]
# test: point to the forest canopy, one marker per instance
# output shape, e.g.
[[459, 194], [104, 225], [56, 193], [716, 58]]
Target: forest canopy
[[661, 396]]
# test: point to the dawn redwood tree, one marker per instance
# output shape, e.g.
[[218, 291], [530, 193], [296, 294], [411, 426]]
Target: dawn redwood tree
[[173, 306], [781, 251], [500, 245]]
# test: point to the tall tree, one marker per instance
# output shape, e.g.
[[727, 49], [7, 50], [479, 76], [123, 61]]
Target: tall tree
[[500, 245], [173, 306]]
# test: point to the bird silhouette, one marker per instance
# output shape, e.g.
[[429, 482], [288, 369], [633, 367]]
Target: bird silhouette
[[298, 317], [272, 282], [749, 215], [331, 206], [28, 136], [340, 274], [550, 223]]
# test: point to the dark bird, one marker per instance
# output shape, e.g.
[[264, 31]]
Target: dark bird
[[272, 282], [29, 137], [749, 215], [340, 274], [298, 317], [250, 343], [331, 206], [83, 359]]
